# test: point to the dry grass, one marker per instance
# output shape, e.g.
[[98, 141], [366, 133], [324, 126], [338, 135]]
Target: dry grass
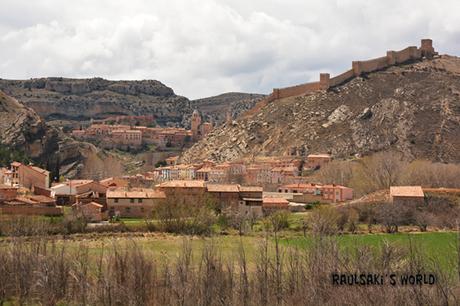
[[49, 272]]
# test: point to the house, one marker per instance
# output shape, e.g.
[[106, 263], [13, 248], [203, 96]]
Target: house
[[92, 211], [134, 203], [336, 193], [220, 173], [114, 182], [316, 161], [227, 196], [126, 138], [183, 191], [70, 191], [7, 193], [270, 205], [31, 205], [251, 201], [316, 192], [28, 176], [203, 173], [310, 188], [407, 194]]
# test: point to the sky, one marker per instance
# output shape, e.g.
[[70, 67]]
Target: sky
[[202, 48]]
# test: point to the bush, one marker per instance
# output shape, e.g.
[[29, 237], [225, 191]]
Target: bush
[[324, 220], [184, 216]]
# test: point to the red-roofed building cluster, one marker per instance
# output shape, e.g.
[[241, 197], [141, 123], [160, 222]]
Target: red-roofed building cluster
[[134, 136]]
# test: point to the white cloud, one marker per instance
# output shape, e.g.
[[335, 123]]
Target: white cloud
[[206, 47]]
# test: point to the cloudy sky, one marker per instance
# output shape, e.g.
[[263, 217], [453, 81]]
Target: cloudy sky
[[206, 47]]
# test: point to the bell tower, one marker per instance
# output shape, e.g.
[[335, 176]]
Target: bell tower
[[195, 125]]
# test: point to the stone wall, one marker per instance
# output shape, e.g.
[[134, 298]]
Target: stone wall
[[342, 78], [392, 58]]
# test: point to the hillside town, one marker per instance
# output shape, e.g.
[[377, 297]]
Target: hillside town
[[253, 188], [126, 132]]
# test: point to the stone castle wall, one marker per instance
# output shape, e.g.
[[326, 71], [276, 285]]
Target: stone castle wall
[[392, 58]]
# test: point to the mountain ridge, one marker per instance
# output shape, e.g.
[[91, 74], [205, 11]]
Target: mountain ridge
[[413, 108]]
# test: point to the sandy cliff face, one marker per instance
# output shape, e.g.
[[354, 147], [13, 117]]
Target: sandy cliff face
[[62, 101], [414, 108], [217, 107], [22, 129], [75, 100]]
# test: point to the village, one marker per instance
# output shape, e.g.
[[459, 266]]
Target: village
[[254, 188], [128, 133]]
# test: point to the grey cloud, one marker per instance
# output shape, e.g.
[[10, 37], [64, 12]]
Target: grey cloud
[[205, 47]]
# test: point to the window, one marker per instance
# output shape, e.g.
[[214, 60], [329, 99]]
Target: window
[[131, 200], [115, 200], [139, 200], [127, 209]]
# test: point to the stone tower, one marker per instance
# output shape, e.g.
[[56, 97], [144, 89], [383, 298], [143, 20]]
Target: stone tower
[[195, 124]]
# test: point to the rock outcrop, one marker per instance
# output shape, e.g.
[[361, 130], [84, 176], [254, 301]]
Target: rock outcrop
[[23, 130], [69, 101], [216, 108], [412, 108]]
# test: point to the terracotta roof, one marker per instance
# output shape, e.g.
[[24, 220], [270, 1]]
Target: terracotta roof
[[301, 185], [16, 164], [253, 199], [183, 184], [319, 155], [38, 169], [281, 201], [92, 204], [75, 183], [115, 194], [41, 199], [334, 186], [135, 194], [156, 194], [406, 191], [223, 188], [2, 186], [204, 169], [251, 189]]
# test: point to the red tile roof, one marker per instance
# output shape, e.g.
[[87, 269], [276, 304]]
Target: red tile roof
[[183, 184], [406, 191], [223, 188]]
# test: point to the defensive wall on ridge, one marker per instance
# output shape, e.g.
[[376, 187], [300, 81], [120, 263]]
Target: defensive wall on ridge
[[392, 58]]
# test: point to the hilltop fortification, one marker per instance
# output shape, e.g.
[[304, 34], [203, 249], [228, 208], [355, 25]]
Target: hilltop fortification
[[407, 101]]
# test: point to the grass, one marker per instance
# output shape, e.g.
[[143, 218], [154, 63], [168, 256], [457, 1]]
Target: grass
[[437, 246], [440, 246], [166, 246]]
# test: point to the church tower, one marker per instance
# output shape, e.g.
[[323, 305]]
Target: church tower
[[196, 123]]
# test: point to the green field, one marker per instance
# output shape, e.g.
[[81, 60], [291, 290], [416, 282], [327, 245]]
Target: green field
[[437, 246]]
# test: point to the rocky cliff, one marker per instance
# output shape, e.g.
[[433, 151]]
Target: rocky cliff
[[63, 101], [23, 130], [412, 108], [216, 108]]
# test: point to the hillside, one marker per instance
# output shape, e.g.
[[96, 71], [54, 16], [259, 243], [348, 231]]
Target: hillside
[[216, 107], [23, 130], [69, 102], [412, 108], [66, 101]]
